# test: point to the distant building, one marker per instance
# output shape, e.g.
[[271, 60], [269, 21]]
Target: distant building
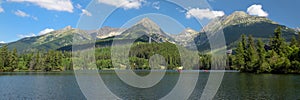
[[229, 52]]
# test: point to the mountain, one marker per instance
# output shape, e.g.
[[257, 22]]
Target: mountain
[[1, 44], [59, 38], [106, 32], [297, 29], [185, 37], [47, 41], [139, 32], [240, 23], [144, 29], [233, 26]]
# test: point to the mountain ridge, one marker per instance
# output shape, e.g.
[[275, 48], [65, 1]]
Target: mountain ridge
[[233, 26]]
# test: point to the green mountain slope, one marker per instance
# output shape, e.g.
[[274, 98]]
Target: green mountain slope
[[52, 40]]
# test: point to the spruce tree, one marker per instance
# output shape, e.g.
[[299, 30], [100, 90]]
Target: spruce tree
[[1, 61], [4, 57], [264, 66], [261, 50], [239, 57], [277, 42], [13, 60], [251, 57], [298, 39], [293, 41]]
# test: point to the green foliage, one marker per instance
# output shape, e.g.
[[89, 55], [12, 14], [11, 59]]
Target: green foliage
[[239, 62], [281, 58], [251, 56], [277, 42], [293, 41], [39, 61]]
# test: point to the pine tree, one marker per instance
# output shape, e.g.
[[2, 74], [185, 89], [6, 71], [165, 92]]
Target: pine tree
[[261, 50], [251, 57], [4, 58], [262, 63], [244, 42], [244, 46], [1, 61], [277, 42], [298, 39], [239, 57], [13, 60], [293, 41]]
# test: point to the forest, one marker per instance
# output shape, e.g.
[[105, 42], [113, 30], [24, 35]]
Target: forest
[[277, 56], [251, 55], [34, 61]]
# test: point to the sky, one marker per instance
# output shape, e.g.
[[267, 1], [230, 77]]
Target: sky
[[26, 18]]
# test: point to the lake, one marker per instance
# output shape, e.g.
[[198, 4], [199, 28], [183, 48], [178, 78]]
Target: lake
[[63, 86]]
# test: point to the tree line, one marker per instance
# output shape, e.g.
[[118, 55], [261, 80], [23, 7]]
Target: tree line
[[277, 56], [250, 55], [53, 60], [141, 52], [34, 61]]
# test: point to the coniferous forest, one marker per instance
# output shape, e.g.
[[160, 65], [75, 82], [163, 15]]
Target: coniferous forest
[[277, 56], [250, 55]]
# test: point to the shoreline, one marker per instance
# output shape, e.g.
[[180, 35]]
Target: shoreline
[[137, 71]]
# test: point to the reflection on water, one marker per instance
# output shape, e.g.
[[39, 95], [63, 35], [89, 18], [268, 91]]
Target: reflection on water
[[62, 85]]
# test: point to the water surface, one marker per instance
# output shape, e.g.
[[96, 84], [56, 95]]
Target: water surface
[[63, 86]]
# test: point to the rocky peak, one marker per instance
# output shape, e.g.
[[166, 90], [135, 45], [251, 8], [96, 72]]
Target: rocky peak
[[68, 27], [240, 17], [148, 23], [106, 31], [189, 31], [239, 14], [297, 29]]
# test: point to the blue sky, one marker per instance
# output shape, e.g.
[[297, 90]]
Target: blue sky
[[22, 18]]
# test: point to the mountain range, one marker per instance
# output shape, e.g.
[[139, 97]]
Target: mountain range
[[239, 23], [233, 26]]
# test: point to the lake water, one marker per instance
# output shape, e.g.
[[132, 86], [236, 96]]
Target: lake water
[[63, 86]]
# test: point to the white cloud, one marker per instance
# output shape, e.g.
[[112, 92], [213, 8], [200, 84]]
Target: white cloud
[[203, 13], [78, 6], [156, 5], [35, 18], [26, 35], [85, 12], [45, 31], [24, 14], [57, 5], [1, 9], [21, 13], [126, 4], [2, 42], [257, 10], [180, 10]]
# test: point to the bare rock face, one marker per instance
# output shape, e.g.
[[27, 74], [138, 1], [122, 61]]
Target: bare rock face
[[106, 32]]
